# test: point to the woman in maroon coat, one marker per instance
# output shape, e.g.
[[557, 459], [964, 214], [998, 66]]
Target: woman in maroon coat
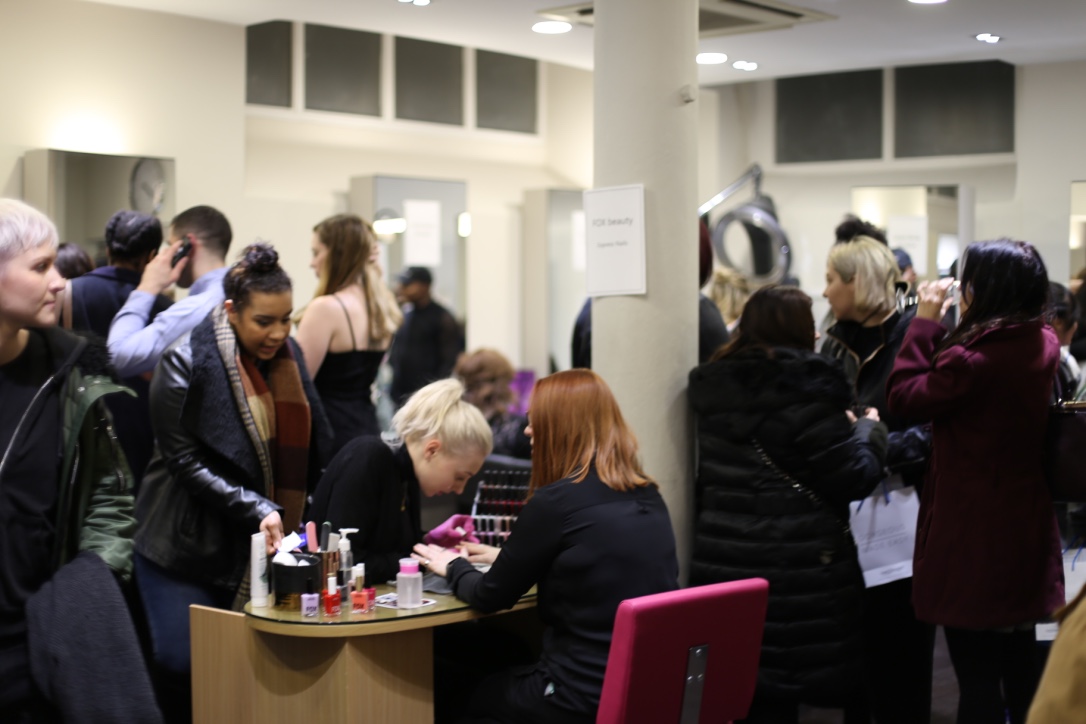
[[987, 564]]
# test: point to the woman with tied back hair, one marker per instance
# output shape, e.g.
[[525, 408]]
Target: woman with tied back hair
[[375, 486], [345, 331], [594, 532], [239, 440], [987, 565], [487, 375], [780, 457], [132, 240]]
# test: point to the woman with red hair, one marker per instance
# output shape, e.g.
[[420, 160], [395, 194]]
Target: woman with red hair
[[594, 532]]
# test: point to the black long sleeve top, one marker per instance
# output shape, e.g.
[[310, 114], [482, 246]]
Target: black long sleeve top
[[372, 487], [588, 548]]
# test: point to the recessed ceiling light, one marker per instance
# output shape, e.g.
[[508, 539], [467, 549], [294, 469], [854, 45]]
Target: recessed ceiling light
[[989, 38], [552, 27], [421, 3], [745, 65], [407, 2], [711, 58], [927, 2]]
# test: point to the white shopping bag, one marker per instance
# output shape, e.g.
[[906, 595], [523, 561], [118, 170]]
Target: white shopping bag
[[1074, 577], [884, 527]]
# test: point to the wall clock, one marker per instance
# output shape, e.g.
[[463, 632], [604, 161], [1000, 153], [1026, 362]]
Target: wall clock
[[147, 188]]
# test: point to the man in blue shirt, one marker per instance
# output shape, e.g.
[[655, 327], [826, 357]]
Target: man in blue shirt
[[135, 345]]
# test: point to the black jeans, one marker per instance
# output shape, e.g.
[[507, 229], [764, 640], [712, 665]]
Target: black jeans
[[898, 654], [997, 674], [519, 696]]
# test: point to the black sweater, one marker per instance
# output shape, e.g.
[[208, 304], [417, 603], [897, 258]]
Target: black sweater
[[372, 487], [751, 522], [588, 548]]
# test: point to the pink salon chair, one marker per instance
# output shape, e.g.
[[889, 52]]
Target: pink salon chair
[[685, 656]]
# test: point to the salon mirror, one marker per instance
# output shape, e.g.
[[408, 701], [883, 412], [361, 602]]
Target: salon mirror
[[1077, 236], [81, 191]]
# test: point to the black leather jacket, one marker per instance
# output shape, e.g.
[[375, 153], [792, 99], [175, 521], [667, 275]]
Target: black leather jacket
[[910, 440], [203, 495]]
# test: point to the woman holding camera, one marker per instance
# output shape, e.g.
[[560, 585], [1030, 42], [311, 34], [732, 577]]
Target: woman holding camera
[[988, 563]]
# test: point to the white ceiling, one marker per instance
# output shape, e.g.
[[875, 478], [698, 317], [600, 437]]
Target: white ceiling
[[866, 34]]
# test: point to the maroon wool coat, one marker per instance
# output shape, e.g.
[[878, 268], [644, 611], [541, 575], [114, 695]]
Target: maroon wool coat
[[987, 547]]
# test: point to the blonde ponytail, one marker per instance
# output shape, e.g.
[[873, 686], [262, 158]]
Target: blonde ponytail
[[438, 411]]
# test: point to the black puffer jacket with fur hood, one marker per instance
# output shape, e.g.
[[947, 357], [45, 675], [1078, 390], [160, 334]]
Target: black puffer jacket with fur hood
[[752, 522]]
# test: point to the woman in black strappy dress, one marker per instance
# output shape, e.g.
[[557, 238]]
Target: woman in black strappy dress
[[347, 328]]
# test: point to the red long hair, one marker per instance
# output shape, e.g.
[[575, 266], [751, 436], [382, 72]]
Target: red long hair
[[576, 424]]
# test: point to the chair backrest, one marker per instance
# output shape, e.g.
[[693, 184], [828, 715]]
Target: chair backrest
[[498, 493], [709, 635]]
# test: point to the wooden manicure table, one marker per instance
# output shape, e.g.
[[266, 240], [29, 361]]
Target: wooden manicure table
[[267, 666]]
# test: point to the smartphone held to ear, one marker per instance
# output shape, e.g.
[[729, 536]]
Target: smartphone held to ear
[[182, 251]]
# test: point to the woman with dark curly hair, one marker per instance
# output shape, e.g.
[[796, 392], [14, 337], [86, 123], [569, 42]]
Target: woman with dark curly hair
[[487, 375]]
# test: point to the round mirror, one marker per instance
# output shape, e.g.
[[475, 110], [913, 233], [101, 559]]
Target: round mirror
[[756, 246]]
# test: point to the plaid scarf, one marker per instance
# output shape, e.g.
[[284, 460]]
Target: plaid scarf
[[276, 416]]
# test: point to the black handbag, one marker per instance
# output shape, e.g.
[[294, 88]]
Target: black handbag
[[1065, 452]]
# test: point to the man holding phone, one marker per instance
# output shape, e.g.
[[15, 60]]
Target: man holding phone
[[196, 260]]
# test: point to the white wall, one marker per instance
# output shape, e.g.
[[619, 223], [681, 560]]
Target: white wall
[[81, 76], [1022, 195], [102, 79]]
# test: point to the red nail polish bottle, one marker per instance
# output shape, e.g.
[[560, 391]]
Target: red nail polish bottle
[[332, 598]]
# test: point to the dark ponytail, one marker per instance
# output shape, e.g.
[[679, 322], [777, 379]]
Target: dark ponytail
[[258, 270]]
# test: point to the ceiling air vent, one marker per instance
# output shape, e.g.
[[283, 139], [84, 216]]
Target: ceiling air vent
[[716, 17]]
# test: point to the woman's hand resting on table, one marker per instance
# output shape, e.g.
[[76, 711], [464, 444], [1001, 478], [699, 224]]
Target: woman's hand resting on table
[[479, 553], [437, 559]]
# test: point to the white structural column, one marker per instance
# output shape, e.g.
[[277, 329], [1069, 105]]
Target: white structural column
[[645, 89]]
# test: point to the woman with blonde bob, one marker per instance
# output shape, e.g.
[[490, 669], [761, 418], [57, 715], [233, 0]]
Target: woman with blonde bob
[[375, 486], [594, 532], [347, 328], [861, 288]]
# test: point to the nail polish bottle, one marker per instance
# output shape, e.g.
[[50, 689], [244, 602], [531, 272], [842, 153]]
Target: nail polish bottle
[[371, 599], [358, 590], [331, 598], [310, 601]]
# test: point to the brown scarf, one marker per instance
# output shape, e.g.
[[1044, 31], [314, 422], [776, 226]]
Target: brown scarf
[[276, 416]]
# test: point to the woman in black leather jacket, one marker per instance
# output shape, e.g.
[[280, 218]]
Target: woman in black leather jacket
[[779, 459], [861, 279], [239, 435]]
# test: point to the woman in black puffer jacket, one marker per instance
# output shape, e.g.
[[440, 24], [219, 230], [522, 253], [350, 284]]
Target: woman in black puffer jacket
[[780, 457]]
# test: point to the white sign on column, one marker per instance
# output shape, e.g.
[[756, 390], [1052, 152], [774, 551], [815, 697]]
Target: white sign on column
[[615, 240]]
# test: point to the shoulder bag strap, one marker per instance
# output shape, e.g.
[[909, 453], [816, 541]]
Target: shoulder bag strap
[[65, 299], [800, 487]]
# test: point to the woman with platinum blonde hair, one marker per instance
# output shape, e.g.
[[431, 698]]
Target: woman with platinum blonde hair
[[861, 288], [375, 486], [65, 488]]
